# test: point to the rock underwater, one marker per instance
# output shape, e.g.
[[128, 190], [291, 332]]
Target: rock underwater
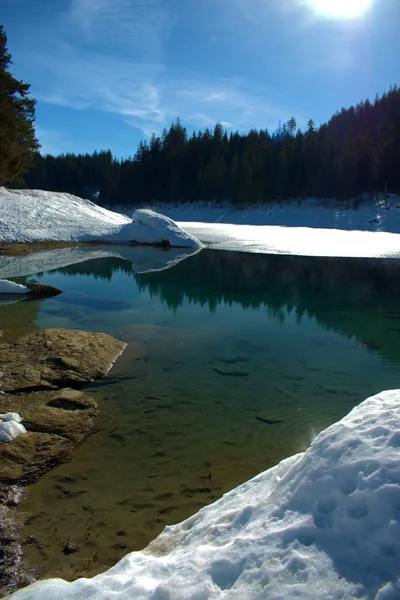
[[34, 368]]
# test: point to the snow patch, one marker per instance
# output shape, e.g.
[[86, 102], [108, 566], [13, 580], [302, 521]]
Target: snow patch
[[322, 524], [149, 227], [10, 427], [366, 215]]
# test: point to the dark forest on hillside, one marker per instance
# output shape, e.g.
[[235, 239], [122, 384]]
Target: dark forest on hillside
[[356, 153]]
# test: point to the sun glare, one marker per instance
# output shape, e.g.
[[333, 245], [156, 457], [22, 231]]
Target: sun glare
[[341, 9]]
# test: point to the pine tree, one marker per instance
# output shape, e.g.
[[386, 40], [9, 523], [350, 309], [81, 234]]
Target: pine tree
[[291, 126], [17, 114], [310, 128]]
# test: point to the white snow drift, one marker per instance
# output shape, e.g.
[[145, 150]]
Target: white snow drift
[[36, 215], [324, 524], [10, 427], [148, 226]]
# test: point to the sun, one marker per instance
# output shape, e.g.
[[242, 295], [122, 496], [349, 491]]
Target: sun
[[340, 9]]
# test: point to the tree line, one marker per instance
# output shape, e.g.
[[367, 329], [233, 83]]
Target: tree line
[[356, 152]]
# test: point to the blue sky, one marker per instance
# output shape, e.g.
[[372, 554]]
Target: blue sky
[[107, 73]]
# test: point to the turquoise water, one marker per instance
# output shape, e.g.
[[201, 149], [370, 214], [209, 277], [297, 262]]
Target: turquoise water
[[234, 361]]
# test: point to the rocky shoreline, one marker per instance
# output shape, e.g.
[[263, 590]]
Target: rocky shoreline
[[20, 248], [41, 376]]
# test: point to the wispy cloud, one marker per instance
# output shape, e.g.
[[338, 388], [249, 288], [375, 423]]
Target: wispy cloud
[[137, 26], [112, 56], [149, 97]]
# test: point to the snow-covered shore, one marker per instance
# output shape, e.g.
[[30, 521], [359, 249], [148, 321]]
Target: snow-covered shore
[[323, 524], [36, 215], [368, 215]]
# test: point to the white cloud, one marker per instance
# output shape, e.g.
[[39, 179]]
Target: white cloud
[[149, 97], [111, 56], [130, 25]]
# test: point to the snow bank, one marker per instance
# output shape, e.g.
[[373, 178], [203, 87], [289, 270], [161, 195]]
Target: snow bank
[[10, 427], [370, 215], [9, 287], [149, 227], [36, 215], [324, 524]]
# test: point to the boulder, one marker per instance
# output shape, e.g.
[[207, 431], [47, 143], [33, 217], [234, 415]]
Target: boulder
[[56, 421], [33, 369], [55, 358], [40, 290]]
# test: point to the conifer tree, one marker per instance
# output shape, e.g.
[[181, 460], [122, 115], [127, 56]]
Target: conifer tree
[[291, 126], [17, 114]]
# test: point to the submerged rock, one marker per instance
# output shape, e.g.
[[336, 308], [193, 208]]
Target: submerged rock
[[56, 423], [40, 290], [56, 420], [55, 358], [70, 548]]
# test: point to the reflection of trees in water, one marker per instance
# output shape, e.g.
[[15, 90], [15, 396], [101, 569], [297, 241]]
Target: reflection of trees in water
[[353, 297], [348, 296], [295, 283], [99, 268]]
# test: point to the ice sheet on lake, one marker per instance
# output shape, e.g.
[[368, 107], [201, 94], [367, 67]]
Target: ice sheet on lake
[[301, 241], [322, 524]]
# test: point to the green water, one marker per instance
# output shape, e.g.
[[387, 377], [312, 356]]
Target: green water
[[214, 344]]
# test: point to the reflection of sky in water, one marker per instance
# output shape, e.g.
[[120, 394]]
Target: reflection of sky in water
[[213, 343]]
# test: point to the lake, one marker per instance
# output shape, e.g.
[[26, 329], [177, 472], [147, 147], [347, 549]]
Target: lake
[[234, 361]]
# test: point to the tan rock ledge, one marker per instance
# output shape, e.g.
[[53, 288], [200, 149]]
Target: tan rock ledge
[[55, 358], [57, 420]]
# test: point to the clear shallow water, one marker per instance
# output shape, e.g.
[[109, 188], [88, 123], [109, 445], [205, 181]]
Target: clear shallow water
[[214, 343]]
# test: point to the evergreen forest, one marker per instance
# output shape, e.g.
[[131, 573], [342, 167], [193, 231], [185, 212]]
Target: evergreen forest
[[355, 154]]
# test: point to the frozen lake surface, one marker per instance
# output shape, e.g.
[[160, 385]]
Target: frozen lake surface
[[303, 241]]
